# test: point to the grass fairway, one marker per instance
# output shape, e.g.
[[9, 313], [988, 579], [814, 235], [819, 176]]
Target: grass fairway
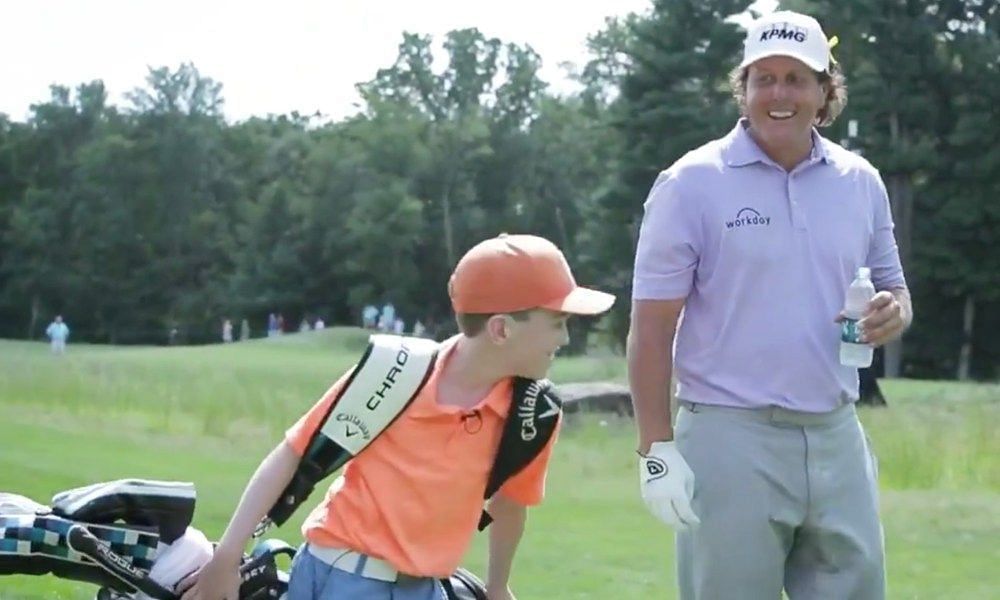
[[209, 414]]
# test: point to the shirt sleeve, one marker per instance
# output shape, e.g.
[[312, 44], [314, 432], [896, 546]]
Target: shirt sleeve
[[298, 435], [527, 488], [669, 244], [883, 253]]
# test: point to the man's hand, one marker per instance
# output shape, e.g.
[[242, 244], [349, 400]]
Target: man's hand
[[884, 320], [667, 485], [219, 579], [499, 593]]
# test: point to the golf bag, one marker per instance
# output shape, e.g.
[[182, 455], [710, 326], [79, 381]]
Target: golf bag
[[129, 537], [132, 538]]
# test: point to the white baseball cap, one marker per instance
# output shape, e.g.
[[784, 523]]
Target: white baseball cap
[[787, 33]]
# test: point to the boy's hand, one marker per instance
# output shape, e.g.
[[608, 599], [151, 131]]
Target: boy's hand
[[217, 580]]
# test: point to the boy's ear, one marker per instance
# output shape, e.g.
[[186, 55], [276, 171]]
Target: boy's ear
[[498, 328]]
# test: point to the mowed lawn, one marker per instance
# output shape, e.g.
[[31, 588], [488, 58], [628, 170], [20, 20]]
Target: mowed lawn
[[209, 414]]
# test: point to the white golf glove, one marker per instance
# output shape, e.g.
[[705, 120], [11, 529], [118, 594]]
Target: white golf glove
[[667, 485]]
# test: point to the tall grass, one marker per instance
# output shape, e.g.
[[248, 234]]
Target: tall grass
[[933, 435], [937, 435]]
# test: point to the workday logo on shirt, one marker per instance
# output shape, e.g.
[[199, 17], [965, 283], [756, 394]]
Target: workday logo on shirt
[[748, 217]]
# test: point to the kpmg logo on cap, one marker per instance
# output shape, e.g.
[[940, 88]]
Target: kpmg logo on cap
[[748, 217], [784, 31]]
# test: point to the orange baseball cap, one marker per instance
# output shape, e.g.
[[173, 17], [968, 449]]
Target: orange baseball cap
[[511, 273]]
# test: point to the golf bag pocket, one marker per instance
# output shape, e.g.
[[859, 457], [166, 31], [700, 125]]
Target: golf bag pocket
[[165, 506]]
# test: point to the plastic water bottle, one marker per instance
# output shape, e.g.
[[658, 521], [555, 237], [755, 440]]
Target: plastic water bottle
[[853, 352]]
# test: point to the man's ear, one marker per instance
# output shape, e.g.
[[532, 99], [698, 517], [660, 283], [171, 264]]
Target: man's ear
[[498, 328]]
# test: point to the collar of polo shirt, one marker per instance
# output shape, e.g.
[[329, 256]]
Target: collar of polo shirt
[[742, 150]]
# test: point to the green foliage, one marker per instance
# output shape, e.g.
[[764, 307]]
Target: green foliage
[[156, 215]]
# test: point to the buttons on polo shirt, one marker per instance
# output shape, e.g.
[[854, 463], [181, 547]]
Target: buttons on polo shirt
[[798, 215]]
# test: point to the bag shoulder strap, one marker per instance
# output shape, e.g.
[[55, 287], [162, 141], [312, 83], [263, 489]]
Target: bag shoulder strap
[[389, 376], [534, 414]]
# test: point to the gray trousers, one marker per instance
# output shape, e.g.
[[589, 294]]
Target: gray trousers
[[787, 500]]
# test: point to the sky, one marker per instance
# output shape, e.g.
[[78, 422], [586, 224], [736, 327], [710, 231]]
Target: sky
[[271, 57]]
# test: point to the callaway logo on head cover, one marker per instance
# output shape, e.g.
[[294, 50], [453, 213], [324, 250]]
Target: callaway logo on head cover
[[784, 31]]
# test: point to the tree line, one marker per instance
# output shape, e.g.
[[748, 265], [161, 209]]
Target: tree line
[[157, 214]]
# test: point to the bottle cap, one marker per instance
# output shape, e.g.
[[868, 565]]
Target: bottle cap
[[864, 273]]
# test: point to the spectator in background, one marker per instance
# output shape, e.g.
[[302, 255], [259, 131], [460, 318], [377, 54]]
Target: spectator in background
[[387, 321], [227, 331], [399, 326], [58, 333], [281, 324], [272, 325], [319, 325], [244, 330], [369, 316], [304, 326]]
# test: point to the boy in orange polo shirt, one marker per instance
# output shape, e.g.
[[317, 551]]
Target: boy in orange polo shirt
[[404, 511]]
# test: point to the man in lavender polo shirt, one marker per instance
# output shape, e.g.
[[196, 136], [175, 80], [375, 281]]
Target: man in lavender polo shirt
[[756, 236]]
